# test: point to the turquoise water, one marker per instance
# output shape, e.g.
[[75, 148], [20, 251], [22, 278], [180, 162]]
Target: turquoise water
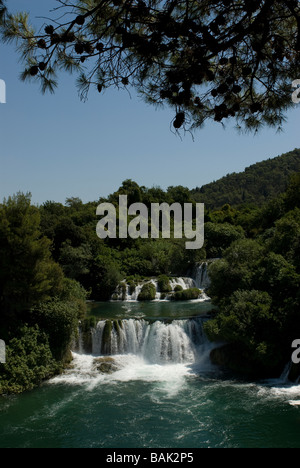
[[178, 405], [156, 310]]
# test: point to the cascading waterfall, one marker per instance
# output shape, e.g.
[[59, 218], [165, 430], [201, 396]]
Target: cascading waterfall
[[184, 282], [158, 342], [202, 280], [133, 296], [284, 378], [199, 279]]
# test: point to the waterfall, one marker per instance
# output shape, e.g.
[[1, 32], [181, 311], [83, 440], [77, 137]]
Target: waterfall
[[288, 375], [202, 280], [184, 282], [158, 342], [284, 378], [199, 279], [133, 297]]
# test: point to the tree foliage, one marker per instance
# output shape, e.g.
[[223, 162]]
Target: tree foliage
[[258, 184], [214, 59], [28, 273], [59, 320], [39, 306], [29, 361], [257, 292]]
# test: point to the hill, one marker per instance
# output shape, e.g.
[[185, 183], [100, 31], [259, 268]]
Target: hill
[[256, 185]]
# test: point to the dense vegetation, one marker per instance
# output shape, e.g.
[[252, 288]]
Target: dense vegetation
[[39, 305], [256, 185], [256, 286], [51, 261]]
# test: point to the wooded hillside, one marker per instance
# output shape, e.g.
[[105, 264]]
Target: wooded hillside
[[258, 184]]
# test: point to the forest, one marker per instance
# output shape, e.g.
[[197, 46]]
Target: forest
[[257, 184], [52, 261]]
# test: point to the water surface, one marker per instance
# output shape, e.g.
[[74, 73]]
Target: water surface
[[149, 404]]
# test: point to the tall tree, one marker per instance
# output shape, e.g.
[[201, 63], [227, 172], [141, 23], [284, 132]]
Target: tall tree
[[208, 59], [28, 274]]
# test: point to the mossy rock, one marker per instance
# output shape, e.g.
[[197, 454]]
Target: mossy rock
[[105, 365], [106, 337], [118, 326], [187, 294], [148, 292], [164, 285]]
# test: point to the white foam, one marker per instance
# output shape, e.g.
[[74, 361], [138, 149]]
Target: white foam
[[294, 402], [170, 377]]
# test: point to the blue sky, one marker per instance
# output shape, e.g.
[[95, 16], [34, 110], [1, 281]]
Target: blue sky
[[56, 146]]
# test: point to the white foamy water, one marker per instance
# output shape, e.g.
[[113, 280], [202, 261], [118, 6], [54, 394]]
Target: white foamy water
[[289, 393], [131, 349], [130, 368]]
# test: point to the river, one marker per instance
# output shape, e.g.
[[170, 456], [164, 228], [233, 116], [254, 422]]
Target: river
[[149, 399]]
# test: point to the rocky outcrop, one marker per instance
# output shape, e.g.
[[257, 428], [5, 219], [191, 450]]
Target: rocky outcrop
[[105, 365]]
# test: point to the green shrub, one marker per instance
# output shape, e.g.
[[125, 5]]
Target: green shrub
[[178, 288], [74, 292], [88, 323], [147, 293], [187, 294], [59, 321], [29, 361], [164, 285]]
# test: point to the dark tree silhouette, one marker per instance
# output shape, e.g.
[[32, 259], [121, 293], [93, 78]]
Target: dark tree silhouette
[[208, 59], [2, 12]]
